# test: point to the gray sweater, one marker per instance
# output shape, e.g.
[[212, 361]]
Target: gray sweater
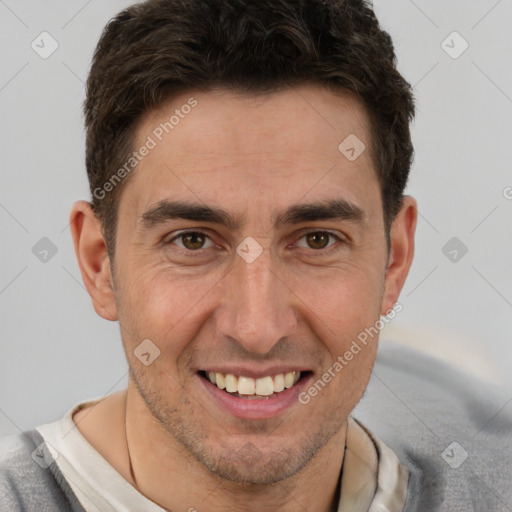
[[454, 434]]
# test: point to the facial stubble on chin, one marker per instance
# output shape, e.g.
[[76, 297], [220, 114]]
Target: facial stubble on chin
[[247, 464]]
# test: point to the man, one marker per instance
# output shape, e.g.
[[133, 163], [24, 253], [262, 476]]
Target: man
[[248, 230]]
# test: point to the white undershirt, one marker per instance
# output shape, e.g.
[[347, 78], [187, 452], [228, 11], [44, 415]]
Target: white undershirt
[[373, 479]]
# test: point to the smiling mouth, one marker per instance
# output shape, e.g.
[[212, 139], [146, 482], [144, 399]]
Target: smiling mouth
[[249, 388]]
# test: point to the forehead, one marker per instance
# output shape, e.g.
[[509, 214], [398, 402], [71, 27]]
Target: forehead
[[310, 112], [222, 146]]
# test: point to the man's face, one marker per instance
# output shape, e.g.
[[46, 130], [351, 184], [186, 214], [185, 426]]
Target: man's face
[[296, 306]]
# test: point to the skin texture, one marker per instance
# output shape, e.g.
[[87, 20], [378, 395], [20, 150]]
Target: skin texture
[[297, 305]]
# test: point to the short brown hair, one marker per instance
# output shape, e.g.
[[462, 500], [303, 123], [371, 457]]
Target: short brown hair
[[158, 48]]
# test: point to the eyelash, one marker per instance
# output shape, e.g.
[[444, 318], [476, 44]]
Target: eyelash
[[199, 252]]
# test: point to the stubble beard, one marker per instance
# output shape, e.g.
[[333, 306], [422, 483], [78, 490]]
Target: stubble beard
[[246, 464]]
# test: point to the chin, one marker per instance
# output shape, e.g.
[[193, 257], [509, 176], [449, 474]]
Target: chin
[[249, 465], [257, 455], [262, 461]]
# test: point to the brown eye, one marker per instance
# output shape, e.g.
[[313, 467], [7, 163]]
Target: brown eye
[[318, 240], [192, 241]]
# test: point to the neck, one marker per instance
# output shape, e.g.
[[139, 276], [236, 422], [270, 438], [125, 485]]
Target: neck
[[166, 473]]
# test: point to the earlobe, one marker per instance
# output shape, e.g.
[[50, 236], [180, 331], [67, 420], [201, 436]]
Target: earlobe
[[93, 260], [401, 252]]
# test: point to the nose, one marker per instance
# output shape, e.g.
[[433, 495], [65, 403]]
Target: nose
[[257, 308]]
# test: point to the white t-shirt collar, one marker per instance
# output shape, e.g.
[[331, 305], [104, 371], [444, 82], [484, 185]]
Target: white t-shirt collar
[[373, 479]]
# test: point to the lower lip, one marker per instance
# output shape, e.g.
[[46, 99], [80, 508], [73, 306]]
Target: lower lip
[[256, 408]]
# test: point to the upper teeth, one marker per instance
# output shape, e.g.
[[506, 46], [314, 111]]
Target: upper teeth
[[248, 386]]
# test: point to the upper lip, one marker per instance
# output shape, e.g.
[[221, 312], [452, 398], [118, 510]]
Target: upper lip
[[253, 372]]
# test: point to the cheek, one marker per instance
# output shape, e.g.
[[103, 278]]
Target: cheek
[[163, 305], [346, 301], [343, 314]]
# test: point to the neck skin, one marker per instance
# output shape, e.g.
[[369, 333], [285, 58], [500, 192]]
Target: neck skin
[[166, 473]]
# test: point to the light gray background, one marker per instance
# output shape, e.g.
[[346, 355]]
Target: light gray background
[[55, 351]]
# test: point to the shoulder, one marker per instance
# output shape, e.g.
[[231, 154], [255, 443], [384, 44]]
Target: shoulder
[[452, 431], [17, 469], [30, 481], [16, 454]]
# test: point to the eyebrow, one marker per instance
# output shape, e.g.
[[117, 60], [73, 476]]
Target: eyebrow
[[337, 209]]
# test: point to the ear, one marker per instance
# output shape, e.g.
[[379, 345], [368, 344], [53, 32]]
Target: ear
[[93, 260], [401, 252]]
